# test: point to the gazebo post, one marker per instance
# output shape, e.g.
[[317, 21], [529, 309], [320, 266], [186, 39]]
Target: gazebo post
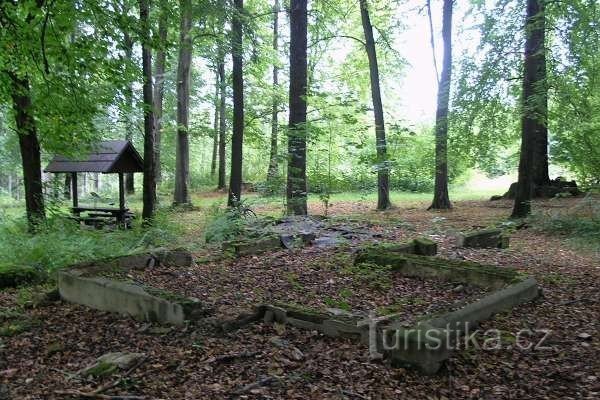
[[121, 192], [74, 190]]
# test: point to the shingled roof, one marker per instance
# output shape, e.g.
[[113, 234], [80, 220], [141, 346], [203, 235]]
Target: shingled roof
[[111, 156]]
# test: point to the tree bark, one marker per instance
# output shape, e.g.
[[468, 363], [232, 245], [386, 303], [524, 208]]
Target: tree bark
[[128, 94], [272, 171], [159, 83], [182, 157], [296, 192], [441, 199], [215, 150], [237, 138], [531, 129], [149, 190], [383, 177], [222, 124], [539, 126], [30, 150]]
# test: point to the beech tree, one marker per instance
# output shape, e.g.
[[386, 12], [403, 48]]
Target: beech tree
[[222, 121], [30, 149], [149, 190], [441, 199], [237, 138], [273, 162], [383, 179], [296, 173], [215, 136], [182, 157], [532, 104], [128, 95], [159, 81]]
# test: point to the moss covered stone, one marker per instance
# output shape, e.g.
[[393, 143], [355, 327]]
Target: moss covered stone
[[484, 238], [446, 269], [252, 246], [421, 246]]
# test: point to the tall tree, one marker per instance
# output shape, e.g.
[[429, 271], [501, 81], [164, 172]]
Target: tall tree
[[149, 190], [182, 157], [30, 149], [531, 103], [441, 199], [128, 94], [222, 122], [539, 122], [237, 138], [272, 171], [296, 174], [215, 149], [383, 178], [159, 81]]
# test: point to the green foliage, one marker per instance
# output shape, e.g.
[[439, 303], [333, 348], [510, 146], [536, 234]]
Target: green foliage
[[227, 224], [61, 242]]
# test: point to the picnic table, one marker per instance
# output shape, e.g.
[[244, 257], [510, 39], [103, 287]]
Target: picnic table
[[98, 216]]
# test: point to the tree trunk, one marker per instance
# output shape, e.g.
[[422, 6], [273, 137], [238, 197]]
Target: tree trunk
[[383, 178], [272, 171], [30, 150], [159, 83], [237, 138], [149, 191], [533, 80], [128, 94], [296, 175], [539, 127], [215, 150], [222, 125], [182, 157], [441, 199]]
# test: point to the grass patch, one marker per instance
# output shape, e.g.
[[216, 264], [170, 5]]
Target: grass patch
[[61, 242]]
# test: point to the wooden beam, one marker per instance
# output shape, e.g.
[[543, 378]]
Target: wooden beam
[[121, 191], [74, 190]]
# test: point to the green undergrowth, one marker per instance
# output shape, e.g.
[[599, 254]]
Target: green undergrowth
[[61, 242]]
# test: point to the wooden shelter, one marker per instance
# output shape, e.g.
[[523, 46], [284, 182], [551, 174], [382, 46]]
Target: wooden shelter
[[109, 157]]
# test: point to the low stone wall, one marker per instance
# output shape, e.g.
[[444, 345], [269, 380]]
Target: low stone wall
[[430, 342], [82, 284]]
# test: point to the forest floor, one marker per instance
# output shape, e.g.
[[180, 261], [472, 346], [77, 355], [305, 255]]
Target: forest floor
[[39, 356]]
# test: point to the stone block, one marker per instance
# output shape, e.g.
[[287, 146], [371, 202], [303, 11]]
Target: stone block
[[252, 246], [425, 247], [484, 238]]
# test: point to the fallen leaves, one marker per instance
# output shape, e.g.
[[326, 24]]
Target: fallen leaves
[[279, 362]]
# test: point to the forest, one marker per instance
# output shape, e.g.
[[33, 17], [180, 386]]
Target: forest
[[273, 199]]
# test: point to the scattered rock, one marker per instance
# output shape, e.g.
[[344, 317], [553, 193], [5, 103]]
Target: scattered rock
[[111, 362], [458, 289], [584, 336]]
